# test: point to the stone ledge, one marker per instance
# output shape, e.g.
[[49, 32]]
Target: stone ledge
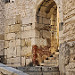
[[10, 71], [39, 69]]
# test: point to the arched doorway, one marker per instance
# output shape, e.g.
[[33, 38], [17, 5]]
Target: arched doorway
[[48, 21], [47, 26]]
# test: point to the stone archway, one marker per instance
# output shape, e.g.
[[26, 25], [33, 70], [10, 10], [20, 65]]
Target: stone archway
[[65, 49], [47, 26], [59, 4], [43, 24], [47, 21]]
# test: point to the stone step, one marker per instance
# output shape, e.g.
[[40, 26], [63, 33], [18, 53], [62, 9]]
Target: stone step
[[51, 58], [56, 56], [46, 61], [51, 62], [56, 53], [52, 65], [5, 70]]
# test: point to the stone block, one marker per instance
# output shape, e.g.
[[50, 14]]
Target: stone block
[[27, 28], [13, 60], [1, 36], [5, 36], [17, 27], [23, 42], [7, 29], [27, 42], [34, 25], [28, 61], [11, 52], [6, 44], [26, 48], [18, 19], [33, 19], [33, 41], [28, 34], [26, 20], [40, 42], [1, 44], [39, 26], [10, 21], [18, 35], [15, 64], [18, 51], [10, 36], [12, 43], [25, 51], [46, 34], [5, 52], [23, 61], [22, 28], [2, 29], [12, 29], [1, 52], [18, 42], [46, 21]]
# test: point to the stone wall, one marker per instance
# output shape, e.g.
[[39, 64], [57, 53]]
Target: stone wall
[[67, 48], [2, 19], [69, 20], [19, 31], [67, 60]]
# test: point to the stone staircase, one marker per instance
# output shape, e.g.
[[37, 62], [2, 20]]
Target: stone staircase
[[52, 60], [40, 70], [48, 67]]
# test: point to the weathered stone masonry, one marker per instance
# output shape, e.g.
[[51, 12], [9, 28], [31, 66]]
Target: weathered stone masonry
[[67, 49], [2, 26], [21, 32]]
